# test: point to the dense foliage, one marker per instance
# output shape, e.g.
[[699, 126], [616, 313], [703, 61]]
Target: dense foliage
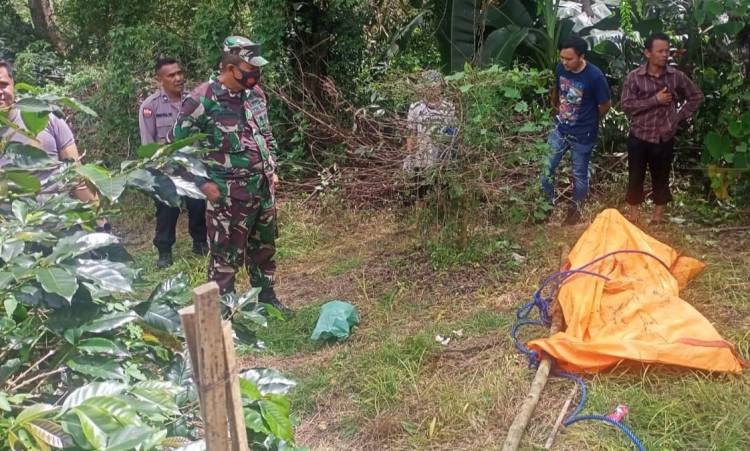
[[87, 363], [92, 359]]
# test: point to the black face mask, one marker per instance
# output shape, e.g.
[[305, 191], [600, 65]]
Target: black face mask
[[249, 78]]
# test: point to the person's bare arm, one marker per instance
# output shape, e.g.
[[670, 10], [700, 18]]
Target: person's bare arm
[[604, 108], [70, 153], [555, 99], [80, 192]]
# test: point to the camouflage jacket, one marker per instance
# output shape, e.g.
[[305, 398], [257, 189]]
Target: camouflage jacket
[[238, 134]]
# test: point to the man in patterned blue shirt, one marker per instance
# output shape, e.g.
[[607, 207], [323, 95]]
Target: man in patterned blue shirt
[[581, 98]]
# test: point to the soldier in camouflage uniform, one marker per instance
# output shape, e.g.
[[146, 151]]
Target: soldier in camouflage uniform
[[230, 109]]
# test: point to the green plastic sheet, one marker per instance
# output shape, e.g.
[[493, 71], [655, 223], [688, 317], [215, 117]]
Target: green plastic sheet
[[336, 321]]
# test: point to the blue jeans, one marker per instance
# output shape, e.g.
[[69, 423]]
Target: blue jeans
[[580, 157]]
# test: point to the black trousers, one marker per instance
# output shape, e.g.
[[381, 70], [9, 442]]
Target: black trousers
[[166, 222], [658, 158]]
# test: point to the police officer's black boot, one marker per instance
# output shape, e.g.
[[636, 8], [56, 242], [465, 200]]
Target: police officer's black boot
[[268, 296], [200, 248], [165, 259]]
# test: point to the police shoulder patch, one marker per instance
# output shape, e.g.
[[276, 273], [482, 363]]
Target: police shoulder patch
[[147, 112]]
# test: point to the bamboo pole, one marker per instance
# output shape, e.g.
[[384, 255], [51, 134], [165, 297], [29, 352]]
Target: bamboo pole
[[518, 427]]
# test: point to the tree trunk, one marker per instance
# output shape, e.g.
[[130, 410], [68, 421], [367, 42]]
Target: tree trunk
[[743, 40], [42, 16]]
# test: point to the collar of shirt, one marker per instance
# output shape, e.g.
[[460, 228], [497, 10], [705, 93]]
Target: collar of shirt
[[643, 70], [221, 90], [165, 98]]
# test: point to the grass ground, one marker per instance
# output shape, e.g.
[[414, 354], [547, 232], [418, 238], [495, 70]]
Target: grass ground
[[392, 386]]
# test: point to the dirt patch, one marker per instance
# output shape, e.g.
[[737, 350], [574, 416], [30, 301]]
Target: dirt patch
[[289, 364], [326, 428]]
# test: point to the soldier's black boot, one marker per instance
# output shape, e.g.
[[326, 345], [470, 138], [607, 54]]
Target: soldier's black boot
[[165, 259], [268, 296]]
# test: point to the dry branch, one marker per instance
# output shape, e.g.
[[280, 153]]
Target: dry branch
[[368, 147]]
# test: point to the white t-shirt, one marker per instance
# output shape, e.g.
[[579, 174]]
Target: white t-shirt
[[433, 128]]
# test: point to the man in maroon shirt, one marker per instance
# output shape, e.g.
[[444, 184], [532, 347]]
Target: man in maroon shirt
[[656, 97]]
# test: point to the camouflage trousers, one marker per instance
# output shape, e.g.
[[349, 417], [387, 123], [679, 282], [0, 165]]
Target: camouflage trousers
[[241, 232]]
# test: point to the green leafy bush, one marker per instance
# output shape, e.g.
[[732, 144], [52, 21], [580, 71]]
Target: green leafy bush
[[38, 64], [119, 87], [728, 142], [105, 369], [502, 139], [15, 32], [116, 45]]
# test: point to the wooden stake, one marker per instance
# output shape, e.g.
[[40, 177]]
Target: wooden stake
[[560, 418], [212, 366], [237, 429], [187, 317], [517, 428]]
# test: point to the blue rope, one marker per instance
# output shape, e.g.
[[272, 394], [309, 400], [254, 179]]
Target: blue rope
[[576, 416], [541, 304]]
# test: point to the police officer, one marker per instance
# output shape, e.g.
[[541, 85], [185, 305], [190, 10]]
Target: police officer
[[230, 109], [156, 118]]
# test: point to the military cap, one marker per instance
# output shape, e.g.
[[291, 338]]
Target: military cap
[[246, 49]]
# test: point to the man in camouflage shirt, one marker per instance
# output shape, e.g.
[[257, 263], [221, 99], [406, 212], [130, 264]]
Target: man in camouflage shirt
[[230, 109]]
